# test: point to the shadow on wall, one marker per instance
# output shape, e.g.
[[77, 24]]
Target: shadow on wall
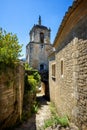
[[76, 32], [45, 84], [11, 95]]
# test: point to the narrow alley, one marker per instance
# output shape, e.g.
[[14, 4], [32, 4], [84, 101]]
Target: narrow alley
[[36, 122]]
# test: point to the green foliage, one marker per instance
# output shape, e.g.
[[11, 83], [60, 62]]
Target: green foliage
[[32, 83], [35, 73], [35, 107], [48, 123], [37, 77], [27, 67], [9, 48], [55, 119], [27, 86], [32, 80], [64, 121], [53, 109]]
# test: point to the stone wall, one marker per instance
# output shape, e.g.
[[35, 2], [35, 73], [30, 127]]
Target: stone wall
[[63, 89], [82, 84], [11, 95], [69, 90], [39, 55], [35, 34]]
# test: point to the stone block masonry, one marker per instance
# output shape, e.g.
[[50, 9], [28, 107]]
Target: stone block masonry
[[69, 89], [11, 95], [82, 83]]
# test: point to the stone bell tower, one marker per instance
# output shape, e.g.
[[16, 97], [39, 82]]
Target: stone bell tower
[[37, 50]]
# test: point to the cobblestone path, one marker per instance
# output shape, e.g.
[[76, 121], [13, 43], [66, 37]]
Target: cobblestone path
[[37, 121]]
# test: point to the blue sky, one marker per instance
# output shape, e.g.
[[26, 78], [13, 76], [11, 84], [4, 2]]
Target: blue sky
[[19, 16]]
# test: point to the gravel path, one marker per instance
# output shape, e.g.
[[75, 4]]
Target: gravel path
[[37, 121]]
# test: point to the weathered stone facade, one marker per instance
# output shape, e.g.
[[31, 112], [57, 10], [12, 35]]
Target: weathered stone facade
[[38, 48], [68, 88], [11, 95]]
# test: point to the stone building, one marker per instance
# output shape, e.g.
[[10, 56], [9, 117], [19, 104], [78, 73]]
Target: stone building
[[37, 50], [68, 65]]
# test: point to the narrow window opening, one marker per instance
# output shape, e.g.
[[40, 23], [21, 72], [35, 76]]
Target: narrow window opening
[[41, 67], [41, 37], [53, 71], [62, 68]]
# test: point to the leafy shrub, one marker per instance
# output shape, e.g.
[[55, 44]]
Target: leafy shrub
[[32, 80], [9, 48], [27, 67], [37, 77], [32, 83], [27, 86]]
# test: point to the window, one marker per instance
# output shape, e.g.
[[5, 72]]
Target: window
[[41, 67], [42, 37], [53, 71], [62, 68]]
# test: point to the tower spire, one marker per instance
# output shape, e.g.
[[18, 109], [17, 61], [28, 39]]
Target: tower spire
[[39, 21]]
